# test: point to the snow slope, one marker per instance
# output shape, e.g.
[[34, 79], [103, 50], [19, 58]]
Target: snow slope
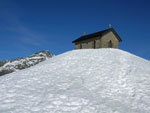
[[80, 81]]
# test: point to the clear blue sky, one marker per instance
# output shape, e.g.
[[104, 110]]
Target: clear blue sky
[[28, 26]]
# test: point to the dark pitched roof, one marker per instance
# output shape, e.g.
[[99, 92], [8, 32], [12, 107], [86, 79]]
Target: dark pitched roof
[[100, 33]]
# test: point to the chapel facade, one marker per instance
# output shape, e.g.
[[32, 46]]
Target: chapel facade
[[103, 39]]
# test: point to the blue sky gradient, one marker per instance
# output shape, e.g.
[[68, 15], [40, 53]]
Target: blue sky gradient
[[28, 26]]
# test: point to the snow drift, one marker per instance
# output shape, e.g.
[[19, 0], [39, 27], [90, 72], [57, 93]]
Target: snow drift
[[80, 81]]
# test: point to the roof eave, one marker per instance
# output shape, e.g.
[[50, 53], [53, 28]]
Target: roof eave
[[117, 36]]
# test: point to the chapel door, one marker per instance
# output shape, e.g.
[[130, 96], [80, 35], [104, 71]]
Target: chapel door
[[110, 44]]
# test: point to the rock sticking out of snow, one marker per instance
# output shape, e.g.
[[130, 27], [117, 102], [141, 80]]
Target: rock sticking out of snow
[[80, 81]]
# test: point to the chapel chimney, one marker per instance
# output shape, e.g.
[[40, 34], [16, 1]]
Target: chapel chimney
[[84, 33], [109, 25]]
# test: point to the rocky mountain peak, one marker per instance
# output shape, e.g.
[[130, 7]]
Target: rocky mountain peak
[[22, 63]]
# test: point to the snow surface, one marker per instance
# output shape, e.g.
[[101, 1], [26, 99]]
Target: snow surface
[[80, 81]]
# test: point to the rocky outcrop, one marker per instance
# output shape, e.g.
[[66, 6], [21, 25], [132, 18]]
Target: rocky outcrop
[[22, 63], [2, 63]]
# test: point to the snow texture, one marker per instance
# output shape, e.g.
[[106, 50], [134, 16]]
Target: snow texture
[[80, 81]]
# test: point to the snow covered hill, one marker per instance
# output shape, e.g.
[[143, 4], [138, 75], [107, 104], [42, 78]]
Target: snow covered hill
[[22, 63], [80, 81]]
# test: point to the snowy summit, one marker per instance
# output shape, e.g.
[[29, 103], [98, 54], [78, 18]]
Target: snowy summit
[[80, 81]]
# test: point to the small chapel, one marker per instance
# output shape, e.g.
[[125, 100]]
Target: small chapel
[[107, 38]]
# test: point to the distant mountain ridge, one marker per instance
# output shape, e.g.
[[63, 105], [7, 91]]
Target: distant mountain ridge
[[22, 63]]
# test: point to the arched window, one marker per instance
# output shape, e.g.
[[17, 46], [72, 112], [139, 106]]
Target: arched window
[[94, 44], [80, 46], [110, 44]]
